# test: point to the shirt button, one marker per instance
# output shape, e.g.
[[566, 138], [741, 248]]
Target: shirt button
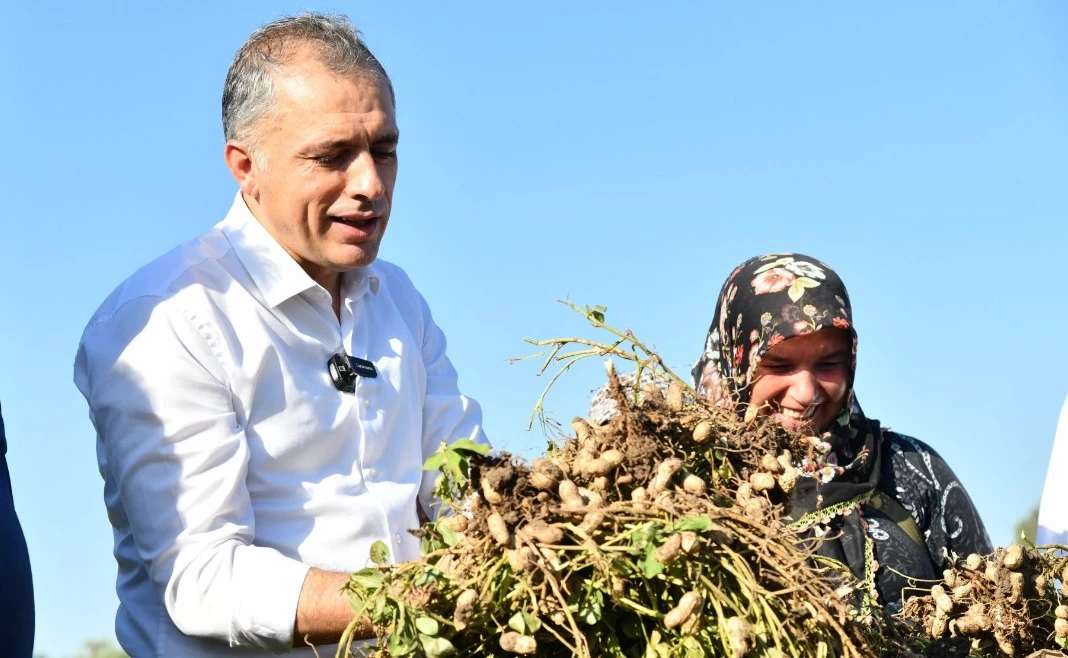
[[370, 471], [366, 402], [396, 538]]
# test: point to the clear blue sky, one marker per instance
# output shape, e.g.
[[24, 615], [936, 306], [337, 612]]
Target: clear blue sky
[[628, 156]]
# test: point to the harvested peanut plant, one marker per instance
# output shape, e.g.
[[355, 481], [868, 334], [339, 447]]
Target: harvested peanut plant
[[656, 534]]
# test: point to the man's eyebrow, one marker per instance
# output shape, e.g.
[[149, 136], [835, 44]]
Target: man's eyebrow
[[329, 145], [392, 137], [388, 139]]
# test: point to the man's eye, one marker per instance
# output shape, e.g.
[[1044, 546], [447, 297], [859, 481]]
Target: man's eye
[[328, 159], [385, 154]]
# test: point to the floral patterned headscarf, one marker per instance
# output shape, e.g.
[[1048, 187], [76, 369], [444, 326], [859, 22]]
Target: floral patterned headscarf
[[765, 301]]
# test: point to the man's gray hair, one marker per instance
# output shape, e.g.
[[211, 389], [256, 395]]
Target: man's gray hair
[[248, 94]]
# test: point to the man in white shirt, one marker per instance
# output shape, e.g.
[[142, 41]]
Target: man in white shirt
[[244, 482], [1053, 511]]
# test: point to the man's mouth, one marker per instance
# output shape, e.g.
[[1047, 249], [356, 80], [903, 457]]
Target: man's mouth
[[358, 223], [358, 229]]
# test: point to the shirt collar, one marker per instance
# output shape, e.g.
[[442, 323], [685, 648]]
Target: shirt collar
[[272, 269]]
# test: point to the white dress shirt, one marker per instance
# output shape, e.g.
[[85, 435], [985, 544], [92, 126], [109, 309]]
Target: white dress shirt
[[231, 463], [1053, 511]]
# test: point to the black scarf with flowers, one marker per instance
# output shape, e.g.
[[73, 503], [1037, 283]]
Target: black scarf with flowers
[[765, 301]]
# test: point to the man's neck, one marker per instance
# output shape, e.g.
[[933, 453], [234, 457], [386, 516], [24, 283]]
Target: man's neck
[[329, 279]]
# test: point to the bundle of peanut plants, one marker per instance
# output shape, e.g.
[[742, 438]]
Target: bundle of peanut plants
[[1009, 603], [656, 534]]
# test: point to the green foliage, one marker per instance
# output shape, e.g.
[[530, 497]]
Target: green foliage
[[452, 461], [1027, 527], [95, 649]]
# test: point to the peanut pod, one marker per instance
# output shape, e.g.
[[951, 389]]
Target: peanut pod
[[513, 642], [703, 432], [465, 608], [680, 614], [670, 550], [1013, 557], [499, 529]]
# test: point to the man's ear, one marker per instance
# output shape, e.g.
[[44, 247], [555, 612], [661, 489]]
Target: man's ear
[[242, 166]]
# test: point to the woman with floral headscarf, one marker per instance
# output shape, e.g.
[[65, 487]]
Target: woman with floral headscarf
[[782, 343]]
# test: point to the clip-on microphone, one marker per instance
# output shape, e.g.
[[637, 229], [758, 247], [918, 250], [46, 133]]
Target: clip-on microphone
[[344, 370]]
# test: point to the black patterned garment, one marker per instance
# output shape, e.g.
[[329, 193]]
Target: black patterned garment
[[922, 483], [887, 506]]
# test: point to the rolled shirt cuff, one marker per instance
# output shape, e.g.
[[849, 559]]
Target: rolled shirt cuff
[[268, 590]]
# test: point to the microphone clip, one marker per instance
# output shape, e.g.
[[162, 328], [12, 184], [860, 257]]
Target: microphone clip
[[345, 370]]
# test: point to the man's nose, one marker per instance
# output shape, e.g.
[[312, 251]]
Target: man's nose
[[364, 179]]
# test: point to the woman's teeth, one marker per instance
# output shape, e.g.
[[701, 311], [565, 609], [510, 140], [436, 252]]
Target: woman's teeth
[[799, 415]]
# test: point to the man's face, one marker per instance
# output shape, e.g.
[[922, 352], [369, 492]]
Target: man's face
[[329, 162]]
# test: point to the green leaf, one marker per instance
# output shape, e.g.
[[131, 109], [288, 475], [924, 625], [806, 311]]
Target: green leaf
[[806, 282], [596, 313], [467, 445], [796, 290], [773, 265], [587, 604], [454, 465], [525, 623], [590, 612], [379, 552], [605, 639], [691, 648], [449, 536], [725, 471], [697, 524], [516, 623], [429, 543], [654, 644], [437, 647], [426, 625], [435, 461], [369, 578], [532, 622], [640, 537], [650, 566], [403, 641], [380, 607], [429, 575]]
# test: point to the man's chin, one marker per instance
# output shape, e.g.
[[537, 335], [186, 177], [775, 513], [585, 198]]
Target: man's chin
[[355, 256]]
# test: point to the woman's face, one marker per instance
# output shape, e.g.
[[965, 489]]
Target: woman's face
[[803, 381]]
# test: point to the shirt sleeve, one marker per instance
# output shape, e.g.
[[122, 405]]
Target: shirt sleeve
[[1052, 512], [170, 443], [448, 415]]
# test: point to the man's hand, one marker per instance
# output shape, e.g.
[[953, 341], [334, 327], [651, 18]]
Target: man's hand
[[323, 611]]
